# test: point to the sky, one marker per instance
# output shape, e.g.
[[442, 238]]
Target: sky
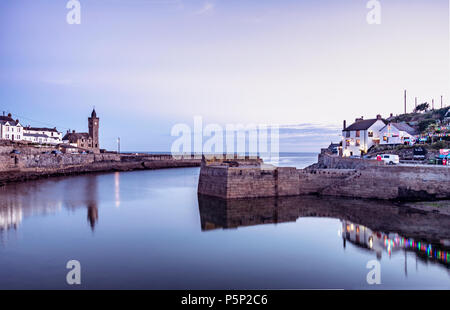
[[147, 65]]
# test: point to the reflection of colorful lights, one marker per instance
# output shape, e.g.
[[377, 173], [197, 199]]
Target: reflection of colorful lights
[[390, 242]]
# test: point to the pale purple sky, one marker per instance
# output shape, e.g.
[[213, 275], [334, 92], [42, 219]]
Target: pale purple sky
[[149, 64]]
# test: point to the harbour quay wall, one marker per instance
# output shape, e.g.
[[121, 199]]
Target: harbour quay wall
[[371, 181], [22, 167]]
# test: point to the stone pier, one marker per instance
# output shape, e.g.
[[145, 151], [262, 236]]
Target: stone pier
[[346, 178]]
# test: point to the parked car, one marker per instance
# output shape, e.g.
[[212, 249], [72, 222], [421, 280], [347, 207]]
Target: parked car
[[56, 152], [15, 152], [390, 159]]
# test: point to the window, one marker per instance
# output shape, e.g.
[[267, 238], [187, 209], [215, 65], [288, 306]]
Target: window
[[7, 136], [358, 142], [357, 133], [370, 134], [347, 134]]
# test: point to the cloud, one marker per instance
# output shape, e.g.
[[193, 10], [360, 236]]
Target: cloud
[[207, 8]]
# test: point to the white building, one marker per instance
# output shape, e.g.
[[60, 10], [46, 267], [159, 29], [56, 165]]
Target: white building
[[359, 137], [10, 129], [42, 135], [398, 133]]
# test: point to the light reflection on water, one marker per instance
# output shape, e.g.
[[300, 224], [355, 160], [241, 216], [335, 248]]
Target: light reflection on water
[[149, 229]]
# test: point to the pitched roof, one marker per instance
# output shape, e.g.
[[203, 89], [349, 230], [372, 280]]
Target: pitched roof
[[7, 119], [36, 135], [74, 136], [363, 124], [403, 127], [41, 129]]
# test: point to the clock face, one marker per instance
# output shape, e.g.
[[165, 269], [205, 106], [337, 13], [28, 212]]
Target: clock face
[[95, 123]]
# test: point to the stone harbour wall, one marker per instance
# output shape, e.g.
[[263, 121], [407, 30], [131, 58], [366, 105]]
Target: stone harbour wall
[[22, 167], [407, 183]]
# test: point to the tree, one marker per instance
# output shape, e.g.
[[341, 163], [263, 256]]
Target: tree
[[422, 107]]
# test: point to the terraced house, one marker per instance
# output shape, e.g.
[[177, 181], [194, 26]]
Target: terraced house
[[42, 135]]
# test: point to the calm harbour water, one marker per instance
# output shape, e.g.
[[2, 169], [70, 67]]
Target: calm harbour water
[[150, 230]]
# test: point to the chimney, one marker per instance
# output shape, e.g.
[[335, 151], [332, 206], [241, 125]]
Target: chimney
[[391, 115], [359, 119], [3, 113], [9, 115], [345, 124], [379, 116]]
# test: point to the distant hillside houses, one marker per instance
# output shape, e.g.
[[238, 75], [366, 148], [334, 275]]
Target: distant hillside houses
[[12, 130]]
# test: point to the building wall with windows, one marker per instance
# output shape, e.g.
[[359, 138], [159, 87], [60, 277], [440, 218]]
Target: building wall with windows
[[10, 129], [359, 137], [42, 135]]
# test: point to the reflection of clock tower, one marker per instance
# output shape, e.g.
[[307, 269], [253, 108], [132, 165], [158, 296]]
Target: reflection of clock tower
[[93, 130]]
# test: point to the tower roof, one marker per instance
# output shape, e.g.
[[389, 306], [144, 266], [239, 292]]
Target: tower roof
[[93, 114]]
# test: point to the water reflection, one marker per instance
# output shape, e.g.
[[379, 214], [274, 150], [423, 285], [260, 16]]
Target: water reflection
[[393, 228], [19, 201]]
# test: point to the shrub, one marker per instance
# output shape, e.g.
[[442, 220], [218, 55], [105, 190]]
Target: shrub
[[440, 145], [423, 125]]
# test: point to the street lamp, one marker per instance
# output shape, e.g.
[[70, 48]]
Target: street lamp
[[118, 145]]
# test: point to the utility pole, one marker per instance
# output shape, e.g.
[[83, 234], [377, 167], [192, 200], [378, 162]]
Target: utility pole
[[118, 145], [405, 101], [442, 102], [432, 102]]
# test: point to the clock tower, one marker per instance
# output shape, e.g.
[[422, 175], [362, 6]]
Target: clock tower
[[93, 123]]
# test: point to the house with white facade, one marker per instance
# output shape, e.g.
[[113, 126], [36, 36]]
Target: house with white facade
[[10, 129], [360, 136], [398, 133], [42, 135]]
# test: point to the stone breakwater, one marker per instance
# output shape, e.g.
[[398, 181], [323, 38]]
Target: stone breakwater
[[364, 179], [23, 167]]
